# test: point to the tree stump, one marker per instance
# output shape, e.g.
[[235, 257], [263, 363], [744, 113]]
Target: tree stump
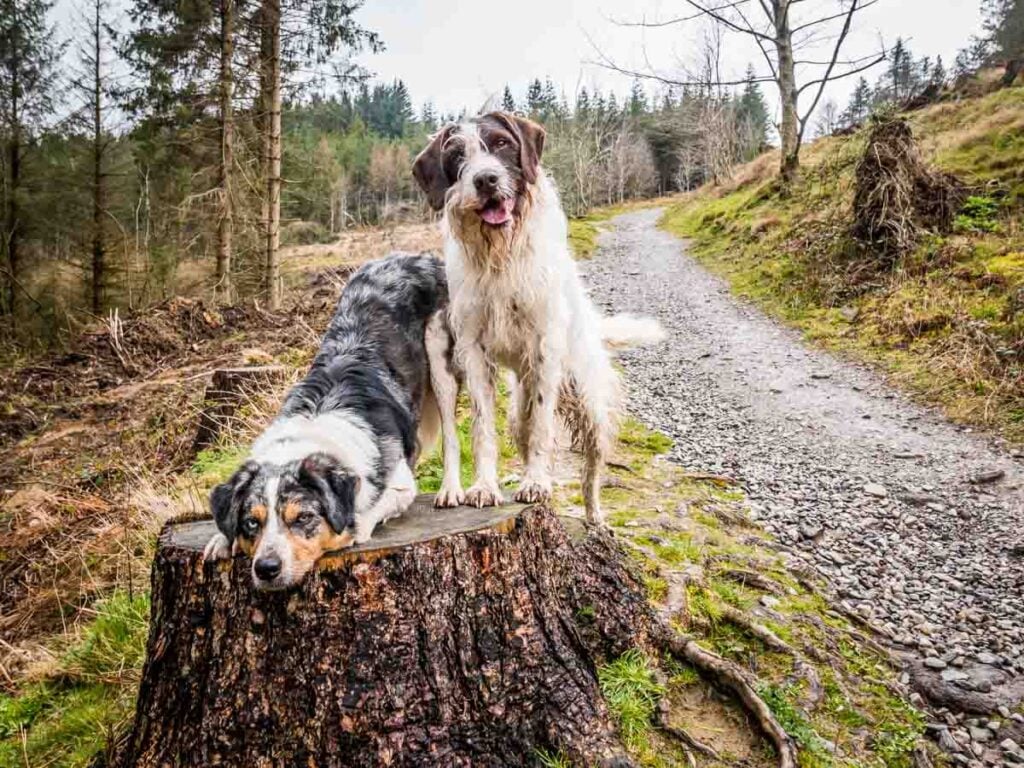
[[458, 638], [227, 390]]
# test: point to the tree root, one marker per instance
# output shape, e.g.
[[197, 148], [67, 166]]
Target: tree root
[[680, 735], [687, 650], [775, 643], [751, 579]]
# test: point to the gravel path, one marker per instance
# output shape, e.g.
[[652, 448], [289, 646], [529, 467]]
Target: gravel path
[[880, 495]]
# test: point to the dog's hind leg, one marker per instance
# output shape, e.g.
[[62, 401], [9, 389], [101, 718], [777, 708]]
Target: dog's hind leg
[[444, 383], [590, 406]]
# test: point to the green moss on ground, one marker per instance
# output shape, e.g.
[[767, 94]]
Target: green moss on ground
[[948, 322]]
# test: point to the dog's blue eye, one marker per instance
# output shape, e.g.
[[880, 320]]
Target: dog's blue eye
[[250, 526]]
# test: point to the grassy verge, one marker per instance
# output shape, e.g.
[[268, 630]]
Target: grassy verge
[[947, 322]]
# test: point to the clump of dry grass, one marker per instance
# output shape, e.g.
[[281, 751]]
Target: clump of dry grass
[[897, 196]]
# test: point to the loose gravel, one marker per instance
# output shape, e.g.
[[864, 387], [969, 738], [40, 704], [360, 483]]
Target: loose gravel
[[914, 522]]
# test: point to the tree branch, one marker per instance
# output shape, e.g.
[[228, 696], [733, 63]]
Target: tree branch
[[827, 77], [725, 21], [827, 19], [680, 20]]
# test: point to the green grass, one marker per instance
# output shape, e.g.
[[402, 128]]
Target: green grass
[[215, 465], [66, 719], [781, 701], [632, 694], [583, 234], [548, 759]]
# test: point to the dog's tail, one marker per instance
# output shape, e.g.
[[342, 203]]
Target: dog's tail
[[628, 331]]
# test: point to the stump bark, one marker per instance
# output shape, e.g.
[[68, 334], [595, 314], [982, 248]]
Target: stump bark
[[458, 638]]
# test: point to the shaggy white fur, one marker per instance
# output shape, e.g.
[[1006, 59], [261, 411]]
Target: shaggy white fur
[[517, 301]]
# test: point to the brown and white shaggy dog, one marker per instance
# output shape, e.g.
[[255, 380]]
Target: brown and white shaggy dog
[[517, 301]]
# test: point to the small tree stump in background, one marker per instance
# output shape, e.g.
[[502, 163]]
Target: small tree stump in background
[[227, 390], [455, 638]]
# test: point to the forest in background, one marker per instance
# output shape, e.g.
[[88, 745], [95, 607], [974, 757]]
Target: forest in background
[[170, 148]]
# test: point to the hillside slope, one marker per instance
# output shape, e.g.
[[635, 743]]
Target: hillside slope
[[947, 319]]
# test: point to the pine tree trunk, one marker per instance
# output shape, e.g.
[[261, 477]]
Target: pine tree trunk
[[271, 88], [458, 638], [789, 131], [12, 227], [225, 230], [98, 180]]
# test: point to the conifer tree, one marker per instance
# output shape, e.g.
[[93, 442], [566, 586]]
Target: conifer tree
[[508, 102], [28, 57]]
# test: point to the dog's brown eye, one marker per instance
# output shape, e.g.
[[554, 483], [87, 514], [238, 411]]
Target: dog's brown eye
[[500, 144]]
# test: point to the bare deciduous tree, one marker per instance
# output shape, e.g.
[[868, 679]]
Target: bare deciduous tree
[[788, 33]]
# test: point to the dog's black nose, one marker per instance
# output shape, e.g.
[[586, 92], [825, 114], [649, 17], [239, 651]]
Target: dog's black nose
[[486, 181], [267, 568]]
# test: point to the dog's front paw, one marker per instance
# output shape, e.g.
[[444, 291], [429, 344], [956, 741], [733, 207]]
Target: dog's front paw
[[533, 492], [217, 548], [447, 498], [484, 495]]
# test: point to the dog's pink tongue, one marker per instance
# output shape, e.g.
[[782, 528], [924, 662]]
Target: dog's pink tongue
[[498, 215]]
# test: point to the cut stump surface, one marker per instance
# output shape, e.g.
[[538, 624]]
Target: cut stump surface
[[456, 637]]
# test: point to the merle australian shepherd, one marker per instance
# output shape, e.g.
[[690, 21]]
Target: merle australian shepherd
[[339, 457]]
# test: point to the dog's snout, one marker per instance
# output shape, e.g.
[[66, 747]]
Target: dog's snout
[[267, 568], [486, 181]]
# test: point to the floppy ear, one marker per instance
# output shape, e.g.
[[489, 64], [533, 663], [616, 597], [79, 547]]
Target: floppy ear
[[337, 488], [429, 171], [224, 499], [531, 142]]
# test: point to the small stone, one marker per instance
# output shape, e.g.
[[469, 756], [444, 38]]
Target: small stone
[[874, 489], [769, 602], [934, 662], [988, 476], [947, 742], [980, 735], [1009, 745], [988, 658], [954, 675], [811, 532]]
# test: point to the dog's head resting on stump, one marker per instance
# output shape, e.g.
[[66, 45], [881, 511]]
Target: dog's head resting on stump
[[285, 517]]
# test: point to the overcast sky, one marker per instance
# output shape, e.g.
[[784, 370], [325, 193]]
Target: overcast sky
[[457, 53]]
